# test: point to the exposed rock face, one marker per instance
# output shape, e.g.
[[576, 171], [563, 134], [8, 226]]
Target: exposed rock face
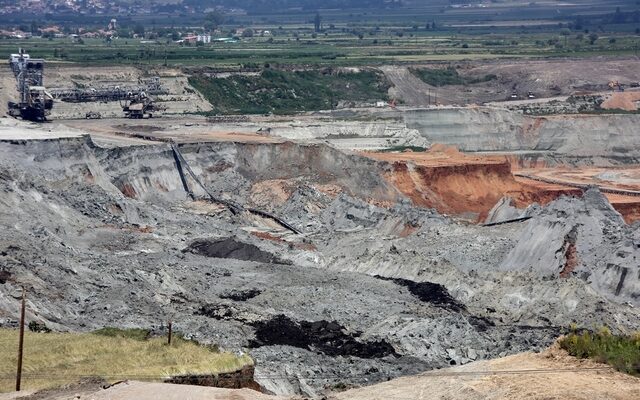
[[491, 129], [585, 237], [504, 210]]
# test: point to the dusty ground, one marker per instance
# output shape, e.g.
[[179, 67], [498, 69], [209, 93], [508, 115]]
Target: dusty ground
[[548, 375], [130, 390], [180, 99], [613, 178], [628, 100], [544, 78]]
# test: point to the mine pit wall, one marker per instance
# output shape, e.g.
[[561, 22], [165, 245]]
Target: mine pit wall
[[467, 190], [454, 189], [235, 167], [611, 138], [231, 170], [60, 159], [143, 172], [228, 169]]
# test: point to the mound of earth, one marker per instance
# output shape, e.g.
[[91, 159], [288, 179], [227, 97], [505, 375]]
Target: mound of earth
[[552, 375], [231, 248]]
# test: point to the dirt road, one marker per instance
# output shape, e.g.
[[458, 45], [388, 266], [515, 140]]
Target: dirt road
[[407, 87]]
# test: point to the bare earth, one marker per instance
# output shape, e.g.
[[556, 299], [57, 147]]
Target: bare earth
[[549, 375], [135, 390]]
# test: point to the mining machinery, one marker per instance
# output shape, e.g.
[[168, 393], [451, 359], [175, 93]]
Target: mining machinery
[[135, 100], [140, 106], [34, 103]]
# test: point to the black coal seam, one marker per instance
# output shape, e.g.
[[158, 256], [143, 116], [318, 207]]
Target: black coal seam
[[322, 336], [241, 295], [429, 292], [623, 276], [234, 249]]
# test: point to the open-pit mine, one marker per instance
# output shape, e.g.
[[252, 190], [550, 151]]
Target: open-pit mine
[[338, 249]]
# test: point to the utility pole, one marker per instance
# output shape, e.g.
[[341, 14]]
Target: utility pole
[[169, 336], [21, 341]]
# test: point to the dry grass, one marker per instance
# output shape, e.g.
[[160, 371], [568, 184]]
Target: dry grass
[[53, 359]]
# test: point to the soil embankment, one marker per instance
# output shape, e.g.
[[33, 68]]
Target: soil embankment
[[552, 374], [462, 185]]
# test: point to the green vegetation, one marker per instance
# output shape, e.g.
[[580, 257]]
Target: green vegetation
[[621, 352], [53, 359], [346, 35], [283, 92], [448, 76]]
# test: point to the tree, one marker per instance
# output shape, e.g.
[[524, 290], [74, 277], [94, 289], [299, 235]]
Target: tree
[[619, 17], [34, 28], [592, 38], [317, 22], [213, 20], [247, 33], [123, 33], [138, 29], [565, 32]]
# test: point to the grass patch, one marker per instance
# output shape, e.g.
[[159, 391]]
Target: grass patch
[[53, 359], [283, 92], [621, 352], [132, 333], [448, 76]]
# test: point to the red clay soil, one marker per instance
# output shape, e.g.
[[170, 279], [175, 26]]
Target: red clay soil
[[571, 257], [462, 185], [267, 236], [630, 211]]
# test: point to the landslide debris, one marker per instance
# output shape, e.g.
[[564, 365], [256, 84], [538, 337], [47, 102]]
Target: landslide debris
[[231, 248], [327, 337], [582, 237], [241, 295], [92, 257]]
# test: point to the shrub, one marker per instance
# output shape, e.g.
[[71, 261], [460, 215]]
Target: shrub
[[621, 352], [448, 76]]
